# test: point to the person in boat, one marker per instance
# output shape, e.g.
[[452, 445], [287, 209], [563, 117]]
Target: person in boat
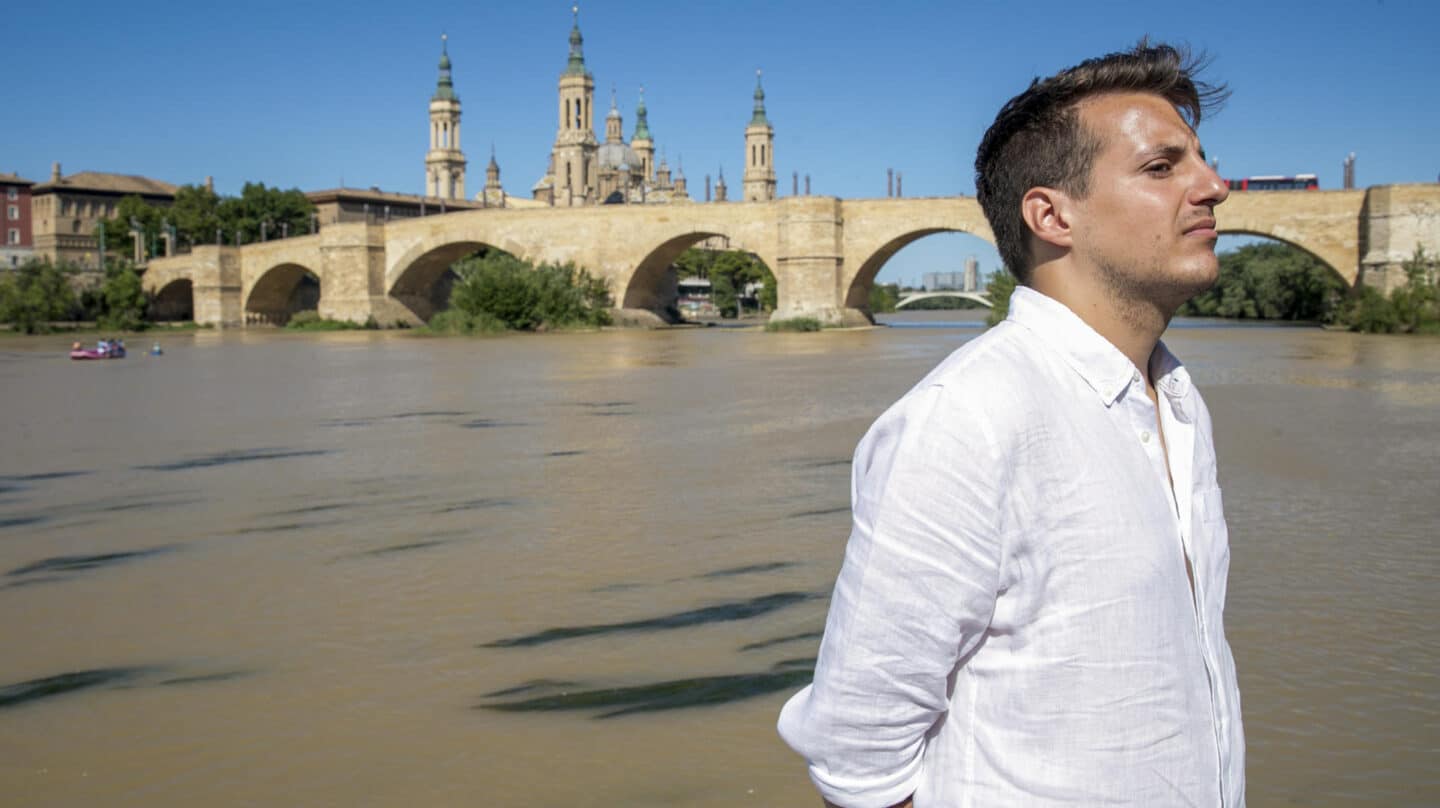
[[102, 346], [76, 346], [118, 348]]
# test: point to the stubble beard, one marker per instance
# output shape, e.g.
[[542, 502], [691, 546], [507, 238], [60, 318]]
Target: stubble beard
[[1148, 297]]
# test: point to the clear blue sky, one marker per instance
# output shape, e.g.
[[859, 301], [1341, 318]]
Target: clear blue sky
[[301, 94]]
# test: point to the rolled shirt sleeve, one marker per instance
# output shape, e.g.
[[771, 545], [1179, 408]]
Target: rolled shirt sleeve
[[914, 596]]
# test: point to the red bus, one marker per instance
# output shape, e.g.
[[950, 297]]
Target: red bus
[[1299, 182]]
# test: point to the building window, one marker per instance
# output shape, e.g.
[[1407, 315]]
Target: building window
[[13, 212], [12, 193], [14, 236]]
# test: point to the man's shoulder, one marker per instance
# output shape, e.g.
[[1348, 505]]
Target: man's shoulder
[[1005, 358], [994, 380]]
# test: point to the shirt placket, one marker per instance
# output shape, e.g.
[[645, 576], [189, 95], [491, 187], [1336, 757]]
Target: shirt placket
[[1146, 422]]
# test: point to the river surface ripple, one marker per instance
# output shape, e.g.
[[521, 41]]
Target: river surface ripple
[[369, 569]]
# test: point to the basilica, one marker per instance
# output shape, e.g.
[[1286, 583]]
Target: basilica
[[581, 169]]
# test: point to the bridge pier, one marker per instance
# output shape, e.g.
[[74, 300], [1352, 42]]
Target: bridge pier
[[1394, 221], [216, 286], [810, 263], [352, 276]]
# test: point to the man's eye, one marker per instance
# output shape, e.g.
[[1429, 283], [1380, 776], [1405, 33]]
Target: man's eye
[[1158, 168]]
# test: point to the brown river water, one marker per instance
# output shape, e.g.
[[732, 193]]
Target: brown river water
[[275, 569]]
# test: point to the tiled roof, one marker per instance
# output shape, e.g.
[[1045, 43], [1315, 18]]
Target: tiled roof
[[113, 183], [15, 179], [375, 195]]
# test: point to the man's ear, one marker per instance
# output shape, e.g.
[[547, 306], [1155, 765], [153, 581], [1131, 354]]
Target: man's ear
[[1047, 212]]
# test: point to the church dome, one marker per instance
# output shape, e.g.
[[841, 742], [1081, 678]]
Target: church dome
[[615, 155]]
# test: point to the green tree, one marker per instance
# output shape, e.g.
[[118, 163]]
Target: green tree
[[729, 271], [1270, 282], [119, 243], [124, 301], [270, 208], [1411, 308], [497, 286], [998, 288], [34, 295], [883, 297], [196, 214]]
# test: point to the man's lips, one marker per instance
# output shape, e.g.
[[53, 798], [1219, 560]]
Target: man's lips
[[1205, 228]]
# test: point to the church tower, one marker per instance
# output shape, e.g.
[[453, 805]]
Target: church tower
[[759, 180], [573, 156], [493, 194], [642, 143], [444, 162]]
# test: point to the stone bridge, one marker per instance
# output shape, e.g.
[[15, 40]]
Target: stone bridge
[[824, 252]]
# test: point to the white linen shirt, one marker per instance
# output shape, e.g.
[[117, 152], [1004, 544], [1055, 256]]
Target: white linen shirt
[[1013, 623]]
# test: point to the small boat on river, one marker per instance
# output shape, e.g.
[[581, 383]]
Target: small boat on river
[[91, 353], [110, 351]]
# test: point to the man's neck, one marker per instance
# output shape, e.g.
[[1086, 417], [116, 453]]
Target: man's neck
[[1132, 327]]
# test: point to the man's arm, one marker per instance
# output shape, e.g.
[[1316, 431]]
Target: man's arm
[[916, 593]]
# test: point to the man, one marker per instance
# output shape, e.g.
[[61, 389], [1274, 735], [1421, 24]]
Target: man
[[1030, 606]]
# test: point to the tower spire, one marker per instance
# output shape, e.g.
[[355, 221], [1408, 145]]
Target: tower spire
[[576, 65], [642, 123], [445, 87], [759, 116]]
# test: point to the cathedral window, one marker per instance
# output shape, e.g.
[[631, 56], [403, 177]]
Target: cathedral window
[[762, 154]]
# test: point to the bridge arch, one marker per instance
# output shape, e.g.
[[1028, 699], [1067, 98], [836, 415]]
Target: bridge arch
[[650, 287], [857, 295], [173, 302], [280, 292], [422, 282], [1348, 278]]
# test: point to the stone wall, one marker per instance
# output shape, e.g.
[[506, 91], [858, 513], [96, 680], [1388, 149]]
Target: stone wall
[[824, 252]]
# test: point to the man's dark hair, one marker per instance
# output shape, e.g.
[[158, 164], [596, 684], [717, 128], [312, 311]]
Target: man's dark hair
[[1037, 139]]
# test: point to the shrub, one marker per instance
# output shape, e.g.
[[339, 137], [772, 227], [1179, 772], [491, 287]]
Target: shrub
[[794, 324], [310, 320], [999, 288], [524, 297], [454, 321], [34, 295], [123, 300], [1412, 308]]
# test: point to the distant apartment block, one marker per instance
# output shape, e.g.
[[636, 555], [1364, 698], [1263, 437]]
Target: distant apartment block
[[965, 281], [18, 243]]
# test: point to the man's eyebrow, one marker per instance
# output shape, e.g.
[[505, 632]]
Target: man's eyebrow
[[1173, 151]]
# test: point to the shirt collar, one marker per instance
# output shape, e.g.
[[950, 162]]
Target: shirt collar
[[1108, 371]]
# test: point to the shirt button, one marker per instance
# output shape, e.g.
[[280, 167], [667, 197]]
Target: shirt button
[[1145, 436], [1136, 377]]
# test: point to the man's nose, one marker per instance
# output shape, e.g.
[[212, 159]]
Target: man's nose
[[1210, 189]]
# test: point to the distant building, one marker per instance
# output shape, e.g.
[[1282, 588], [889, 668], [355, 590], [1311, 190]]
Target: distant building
[[346, 205], [972, 274], [944, 281], [18, 244], [66, 210]]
